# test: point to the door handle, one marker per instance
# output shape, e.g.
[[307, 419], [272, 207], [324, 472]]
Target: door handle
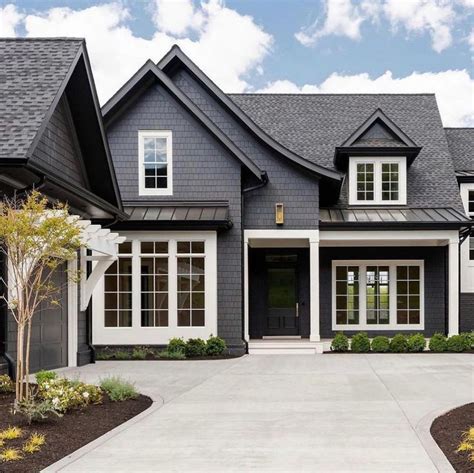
[[297, 310]]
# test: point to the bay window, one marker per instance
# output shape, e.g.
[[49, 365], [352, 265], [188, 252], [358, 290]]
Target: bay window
[[377, 295]]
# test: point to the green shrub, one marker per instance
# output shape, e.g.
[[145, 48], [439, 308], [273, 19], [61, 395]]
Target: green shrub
[[65, 394], [457, 343], [36, 410], [380, 344], [176, 345], [6, 384], [416, 342], [172, 355], [140, 353], [118, 389], [42, 376], [340, 343], [398, 344], [438, 343], [360, 343], [104, 354], [195, 347], [121, 355], [469, 338], [215, 346]]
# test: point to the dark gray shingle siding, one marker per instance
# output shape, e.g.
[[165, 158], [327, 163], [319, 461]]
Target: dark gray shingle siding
[[466, 322], [202, 170], [287, 184], [30, 76], [461, 145], [56, 150], [313, 125]]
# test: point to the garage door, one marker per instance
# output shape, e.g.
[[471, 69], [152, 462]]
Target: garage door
[[49, 330]]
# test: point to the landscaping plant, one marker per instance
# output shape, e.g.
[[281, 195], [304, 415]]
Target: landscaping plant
[[10, 454], [37, 237], [43, 376], [34, 443], [469, 338], [457, 343], [6, 384], [467, 443], [360, 343], [172, 355], [36, 410], [340, 343], [118, 388], [140, 353], [176, 345], [416, 343], [215, 346], [380, 344], [438, 343], [399, 344], [195, 347]]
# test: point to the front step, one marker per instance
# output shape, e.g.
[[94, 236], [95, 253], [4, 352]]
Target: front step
[[285, 347]]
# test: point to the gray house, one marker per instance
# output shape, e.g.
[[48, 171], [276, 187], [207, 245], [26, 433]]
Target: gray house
[[276, 220]]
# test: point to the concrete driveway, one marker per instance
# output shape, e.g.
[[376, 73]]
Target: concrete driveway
[[281, 413]]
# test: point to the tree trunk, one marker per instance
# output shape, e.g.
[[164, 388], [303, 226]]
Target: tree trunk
[[27, 359], [19, 362]]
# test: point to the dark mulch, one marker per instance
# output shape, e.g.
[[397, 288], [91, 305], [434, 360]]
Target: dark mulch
[[426, 352], [447, 431], [154, 358], [67, 434]]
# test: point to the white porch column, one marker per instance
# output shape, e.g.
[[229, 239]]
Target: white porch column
[[453, 288], [314, 289], [246, 291]]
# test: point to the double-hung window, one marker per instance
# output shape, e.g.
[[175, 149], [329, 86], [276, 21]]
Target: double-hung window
[[155, 171], [377, 181], [377, 295]]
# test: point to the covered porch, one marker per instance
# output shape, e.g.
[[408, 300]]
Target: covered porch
[[294, 303]]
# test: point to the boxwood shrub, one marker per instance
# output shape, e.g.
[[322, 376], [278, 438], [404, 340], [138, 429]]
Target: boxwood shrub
[[176, 345], [416, 342], [195, 347], [340, 343], [469, 337], [457, 343], [360, 343], [398, 344], [215, 346], [438, 343], [380, 344]]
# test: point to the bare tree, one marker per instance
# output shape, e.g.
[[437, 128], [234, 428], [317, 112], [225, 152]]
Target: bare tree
[[37, 238]]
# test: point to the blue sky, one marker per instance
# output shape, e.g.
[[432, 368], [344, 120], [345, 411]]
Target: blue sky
[[275, 45]]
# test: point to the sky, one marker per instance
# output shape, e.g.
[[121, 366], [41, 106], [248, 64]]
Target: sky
[[279, 46]]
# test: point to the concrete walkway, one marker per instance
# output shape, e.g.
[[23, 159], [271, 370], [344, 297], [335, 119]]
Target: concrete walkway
[[337, 413]]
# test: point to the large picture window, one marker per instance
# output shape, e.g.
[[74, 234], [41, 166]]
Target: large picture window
[[377, 295], [155, 162], [380, 181]]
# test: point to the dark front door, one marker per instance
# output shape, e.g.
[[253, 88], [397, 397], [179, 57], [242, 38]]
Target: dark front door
[[279, 292], [282, 302]]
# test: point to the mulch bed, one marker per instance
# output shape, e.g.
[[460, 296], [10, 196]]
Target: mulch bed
[[426, 352], [152, 358], [67, 434], [447, 431]]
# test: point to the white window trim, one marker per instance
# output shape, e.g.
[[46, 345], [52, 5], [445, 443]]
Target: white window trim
[[377, 162], [141, 161], [392, 325], [464, 189], [136, 334]]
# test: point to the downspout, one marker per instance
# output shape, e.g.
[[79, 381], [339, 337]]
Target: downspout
[[263, 183]]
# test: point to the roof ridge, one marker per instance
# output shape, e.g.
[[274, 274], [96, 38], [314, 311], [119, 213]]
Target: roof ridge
[[331, 93], [458, 128], [42, 38]]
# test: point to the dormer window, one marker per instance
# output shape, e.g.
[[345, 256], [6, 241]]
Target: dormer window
[[377, 181], [155, 162]]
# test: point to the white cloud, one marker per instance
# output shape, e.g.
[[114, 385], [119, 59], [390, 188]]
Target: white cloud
[[453, 88], [345, 18], [10, 18], [176, 16], [226, 45], [342, 19]]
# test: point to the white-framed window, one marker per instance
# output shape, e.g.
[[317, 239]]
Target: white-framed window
[[170, 282], [378, 295], [377, 181], [471, 248], [467, 196], [155, 162]]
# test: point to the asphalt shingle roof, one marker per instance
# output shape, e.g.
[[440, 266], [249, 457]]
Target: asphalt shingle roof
[[31, 73], [312, 125], [461, 145]]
